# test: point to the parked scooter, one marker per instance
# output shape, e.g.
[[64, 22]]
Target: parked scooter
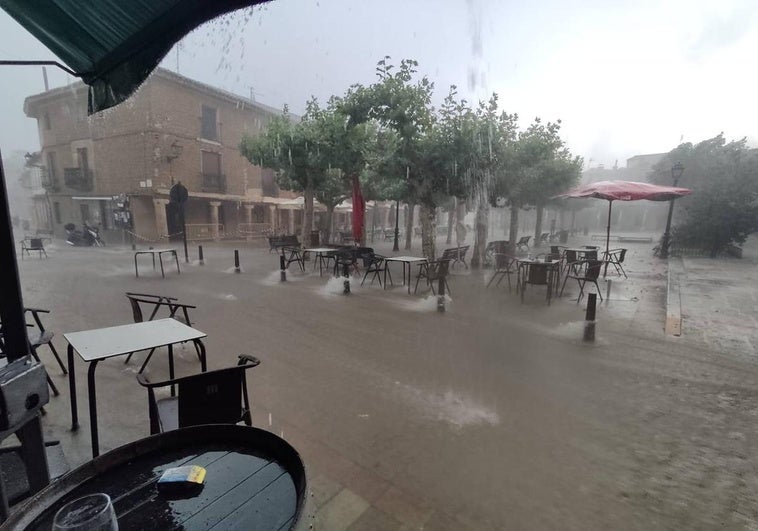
[[86, 237]]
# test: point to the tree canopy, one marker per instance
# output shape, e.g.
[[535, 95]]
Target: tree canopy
[[723, 207]]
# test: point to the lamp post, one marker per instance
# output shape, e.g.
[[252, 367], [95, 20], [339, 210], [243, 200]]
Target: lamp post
[[676, 172], [395, 246], [176, 152]]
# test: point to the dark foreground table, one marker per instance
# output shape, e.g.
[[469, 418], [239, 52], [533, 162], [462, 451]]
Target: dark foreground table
[[255, 480]]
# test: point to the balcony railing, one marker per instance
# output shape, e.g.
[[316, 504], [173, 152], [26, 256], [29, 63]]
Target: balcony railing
[[213, 183], [78, 179]]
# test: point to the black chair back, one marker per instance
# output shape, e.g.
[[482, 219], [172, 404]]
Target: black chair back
[[621, 256], [503, 262], [213, 397], [593, 270], [570, 256], [590, 254], [35, 243]]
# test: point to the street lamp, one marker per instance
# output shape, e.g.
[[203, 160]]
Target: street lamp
[[676, 172], [176, 152]]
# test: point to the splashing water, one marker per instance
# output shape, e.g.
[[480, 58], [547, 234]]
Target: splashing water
[[336, 286], [233, 269], [450, 407], [427, 304]]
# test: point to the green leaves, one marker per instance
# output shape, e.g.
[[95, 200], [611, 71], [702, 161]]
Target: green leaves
[[723, 208]]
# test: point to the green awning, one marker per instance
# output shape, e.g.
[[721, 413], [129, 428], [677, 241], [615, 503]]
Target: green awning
[[114, 45]]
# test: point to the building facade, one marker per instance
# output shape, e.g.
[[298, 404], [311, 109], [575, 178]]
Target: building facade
[[173, 129]]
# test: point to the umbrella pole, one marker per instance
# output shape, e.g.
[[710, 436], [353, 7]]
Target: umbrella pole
[[607, 239], [11, 306]]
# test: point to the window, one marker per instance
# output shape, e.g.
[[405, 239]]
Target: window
[[47, 121], [213, 179], [208, 127], [82, 160], [57, 212], [211, 163], [51, 166]]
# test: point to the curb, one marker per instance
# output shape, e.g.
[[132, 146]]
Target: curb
[[673, 326]]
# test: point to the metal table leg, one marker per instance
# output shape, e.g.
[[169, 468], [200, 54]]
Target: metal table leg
[[160, 259], [171, 367], [136, 271], [72, 389], [93, 407], [176, 259]]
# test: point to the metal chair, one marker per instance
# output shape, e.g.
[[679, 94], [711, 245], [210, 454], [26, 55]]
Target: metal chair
[[376, 265], [505, 265], [32, 244], [213, 397], [615, 257], [433, 271], [158, 301], [583, 272]]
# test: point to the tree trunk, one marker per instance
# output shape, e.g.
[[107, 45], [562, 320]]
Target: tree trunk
[[428, 230], [513, 233], [328, 224], [460, 223], [538, 224], [480, 232], [409, 226], [451, 221], [307, 213], [573, 222]]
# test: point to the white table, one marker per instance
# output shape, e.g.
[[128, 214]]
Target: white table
[[406, 261], [323, 254], [160, 253], [96, 345]]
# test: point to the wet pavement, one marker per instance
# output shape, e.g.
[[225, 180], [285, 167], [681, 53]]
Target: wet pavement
[[492, 415]]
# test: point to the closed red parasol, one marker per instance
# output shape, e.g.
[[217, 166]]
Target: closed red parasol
[[625, 191], [359, 205]]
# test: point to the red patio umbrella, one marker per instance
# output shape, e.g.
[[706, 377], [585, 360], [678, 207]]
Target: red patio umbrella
[[359, 205], [625, 191]]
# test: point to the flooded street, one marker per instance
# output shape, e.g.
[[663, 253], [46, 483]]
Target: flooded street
[[491, 415]]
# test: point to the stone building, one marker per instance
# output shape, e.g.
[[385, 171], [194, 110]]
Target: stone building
[[173, 129]]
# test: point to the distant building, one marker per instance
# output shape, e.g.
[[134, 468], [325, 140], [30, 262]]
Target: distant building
[[173, 129]]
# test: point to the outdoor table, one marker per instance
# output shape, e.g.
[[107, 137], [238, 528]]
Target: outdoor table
[[323, 255], [254, 480], [96, 345], [406, 261], [160, 253], [534, 271]]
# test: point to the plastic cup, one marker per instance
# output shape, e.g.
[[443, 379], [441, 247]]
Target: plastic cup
[[89, 513]]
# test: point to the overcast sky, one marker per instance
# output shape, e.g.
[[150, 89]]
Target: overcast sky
[[625, 77]]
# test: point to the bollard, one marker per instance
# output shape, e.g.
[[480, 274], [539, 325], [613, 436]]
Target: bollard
[[589, 318], [608, 291], [236, 261], [441, 295], [283, 268], [200, 254], [346, 282]]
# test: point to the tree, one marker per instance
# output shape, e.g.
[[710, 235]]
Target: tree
[[723, 207], [538, 167], [292, 149], [398, 103]]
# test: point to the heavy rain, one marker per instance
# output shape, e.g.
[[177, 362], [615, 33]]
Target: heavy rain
[[456, 265]]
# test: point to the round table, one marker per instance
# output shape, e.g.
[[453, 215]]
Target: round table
[[255, 480]]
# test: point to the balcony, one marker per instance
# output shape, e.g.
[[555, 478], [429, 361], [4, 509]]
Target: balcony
[[78, 179], [213, 183], [49, 182]]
